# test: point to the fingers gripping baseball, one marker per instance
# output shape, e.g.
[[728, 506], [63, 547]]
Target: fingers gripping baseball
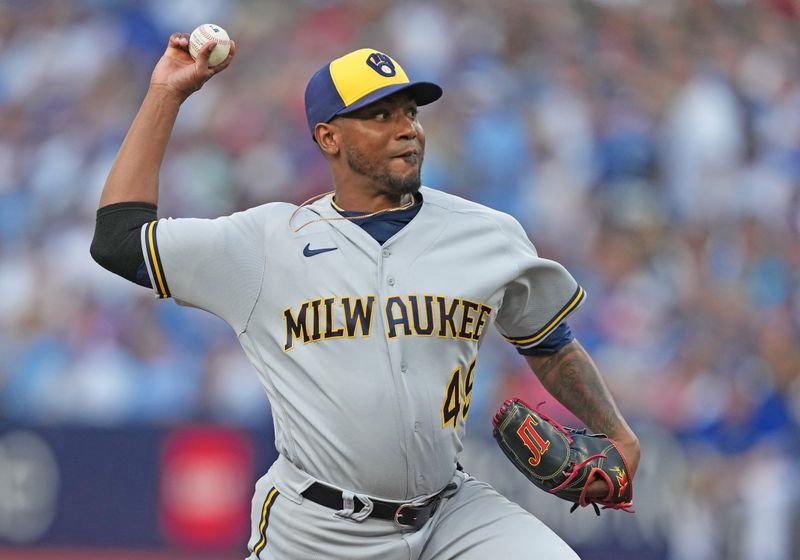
[[178, 71]]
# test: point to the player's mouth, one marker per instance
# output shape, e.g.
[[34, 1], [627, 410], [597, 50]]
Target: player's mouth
[[410, 156]]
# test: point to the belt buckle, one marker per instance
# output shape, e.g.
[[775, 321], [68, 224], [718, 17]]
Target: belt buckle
[[429, 507], [399, 512]]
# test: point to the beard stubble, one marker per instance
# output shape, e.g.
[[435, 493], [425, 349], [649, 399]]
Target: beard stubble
[[394, 182]]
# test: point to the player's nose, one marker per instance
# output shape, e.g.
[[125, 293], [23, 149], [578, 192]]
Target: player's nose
[[407, 127]]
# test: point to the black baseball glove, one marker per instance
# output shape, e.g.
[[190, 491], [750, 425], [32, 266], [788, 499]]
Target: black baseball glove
[[560, 460]]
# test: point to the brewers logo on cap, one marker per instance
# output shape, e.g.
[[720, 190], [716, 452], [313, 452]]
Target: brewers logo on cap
[[356, 80], [381, 63]]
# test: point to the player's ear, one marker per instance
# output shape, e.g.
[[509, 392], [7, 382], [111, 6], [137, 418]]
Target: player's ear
[[327, 136]]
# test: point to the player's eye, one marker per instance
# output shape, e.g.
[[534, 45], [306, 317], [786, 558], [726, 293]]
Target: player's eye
[[412, 112]]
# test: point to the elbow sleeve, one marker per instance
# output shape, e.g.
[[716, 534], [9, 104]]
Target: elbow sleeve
[[116, 245]]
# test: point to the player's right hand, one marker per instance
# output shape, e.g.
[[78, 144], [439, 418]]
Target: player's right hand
[[180, 73]]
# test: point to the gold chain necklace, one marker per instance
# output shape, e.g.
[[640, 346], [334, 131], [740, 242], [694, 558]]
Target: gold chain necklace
[[314, 198]]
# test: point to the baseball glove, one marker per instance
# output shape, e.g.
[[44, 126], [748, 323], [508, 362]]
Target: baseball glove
[[560, 460]]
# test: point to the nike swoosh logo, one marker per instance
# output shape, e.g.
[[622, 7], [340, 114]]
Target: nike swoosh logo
[[309, 252]]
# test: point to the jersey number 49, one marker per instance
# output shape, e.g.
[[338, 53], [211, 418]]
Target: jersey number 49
[[458, 395]]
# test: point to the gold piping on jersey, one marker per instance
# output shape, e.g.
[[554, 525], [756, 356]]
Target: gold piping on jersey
[[262, 527], [574, 302], [155, 261]]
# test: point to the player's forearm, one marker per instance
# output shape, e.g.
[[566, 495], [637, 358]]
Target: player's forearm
[[572, 377], [134, 175]]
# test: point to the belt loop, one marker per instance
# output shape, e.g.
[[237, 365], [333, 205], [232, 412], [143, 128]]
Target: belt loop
[[348, 505], [348, 510], [366, 511]]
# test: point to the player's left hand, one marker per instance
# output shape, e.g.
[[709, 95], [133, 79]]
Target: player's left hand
[[632, 452], [583, 468]]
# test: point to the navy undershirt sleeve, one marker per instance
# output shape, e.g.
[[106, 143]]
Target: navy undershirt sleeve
[[552, 343]]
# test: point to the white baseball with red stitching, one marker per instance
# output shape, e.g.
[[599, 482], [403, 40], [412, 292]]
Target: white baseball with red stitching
[[210, 32]]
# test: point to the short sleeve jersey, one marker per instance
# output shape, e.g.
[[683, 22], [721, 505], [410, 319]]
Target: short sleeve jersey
[[366, 352]]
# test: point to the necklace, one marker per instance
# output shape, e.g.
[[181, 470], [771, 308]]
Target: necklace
[[314, 198], [403, 206]]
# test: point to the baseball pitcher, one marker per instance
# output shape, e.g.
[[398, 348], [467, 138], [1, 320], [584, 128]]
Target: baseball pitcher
[[363, 311]]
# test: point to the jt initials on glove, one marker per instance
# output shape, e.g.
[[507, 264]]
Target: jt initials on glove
[[560, 460]]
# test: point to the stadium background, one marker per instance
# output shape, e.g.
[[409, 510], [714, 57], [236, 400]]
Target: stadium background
[[652, 147]]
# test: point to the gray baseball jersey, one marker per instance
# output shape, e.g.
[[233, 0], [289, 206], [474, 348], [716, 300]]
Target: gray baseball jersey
[[367, 352]]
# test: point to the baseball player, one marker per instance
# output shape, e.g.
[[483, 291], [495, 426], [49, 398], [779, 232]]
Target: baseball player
[[362, 312]]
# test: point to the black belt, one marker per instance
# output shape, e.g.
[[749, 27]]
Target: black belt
[[408, 515]]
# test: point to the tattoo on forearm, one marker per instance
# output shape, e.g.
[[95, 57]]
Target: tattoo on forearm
[[572, 378]]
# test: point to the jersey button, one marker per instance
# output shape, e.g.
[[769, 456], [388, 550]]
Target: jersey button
[[417, 427], [404, 368], [390, 280], [386, 253]]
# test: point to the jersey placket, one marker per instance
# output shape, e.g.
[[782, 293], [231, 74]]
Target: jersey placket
[[392, 260], [389, 282]]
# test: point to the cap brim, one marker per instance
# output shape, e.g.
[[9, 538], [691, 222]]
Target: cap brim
[[422, 92]]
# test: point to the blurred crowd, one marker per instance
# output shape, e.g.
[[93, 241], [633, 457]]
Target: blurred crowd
[[651, 147]]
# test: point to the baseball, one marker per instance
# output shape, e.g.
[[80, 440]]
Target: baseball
[[210, 32]]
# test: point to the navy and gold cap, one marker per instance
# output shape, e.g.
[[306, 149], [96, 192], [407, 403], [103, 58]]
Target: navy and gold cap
[[356, 80]]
